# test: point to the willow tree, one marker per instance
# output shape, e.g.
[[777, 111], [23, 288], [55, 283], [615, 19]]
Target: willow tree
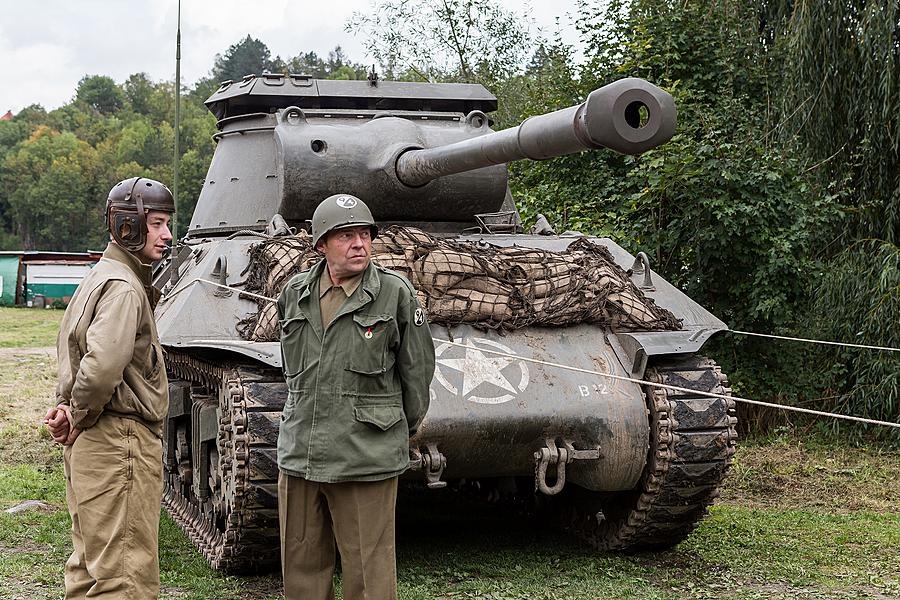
[[841, 104], [840, 107]]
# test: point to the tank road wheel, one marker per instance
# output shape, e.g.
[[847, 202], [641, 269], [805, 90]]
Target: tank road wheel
[[230, 423], [692, 441]]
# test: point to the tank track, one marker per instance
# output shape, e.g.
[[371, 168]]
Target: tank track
[[692, 441], [236, 527]]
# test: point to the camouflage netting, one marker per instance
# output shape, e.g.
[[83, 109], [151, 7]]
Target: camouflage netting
[[476, 283]]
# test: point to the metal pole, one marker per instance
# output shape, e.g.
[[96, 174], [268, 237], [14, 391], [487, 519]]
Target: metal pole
[[177, 123]]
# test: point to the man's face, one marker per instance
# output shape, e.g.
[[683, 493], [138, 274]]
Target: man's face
[[347, 251], [158, 236]]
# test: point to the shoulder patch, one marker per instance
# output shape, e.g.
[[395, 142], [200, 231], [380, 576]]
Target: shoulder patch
[[419, 317]]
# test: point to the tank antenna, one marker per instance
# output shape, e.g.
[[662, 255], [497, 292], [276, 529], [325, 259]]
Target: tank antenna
[[177, 160]]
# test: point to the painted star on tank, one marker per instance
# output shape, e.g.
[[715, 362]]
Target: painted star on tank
[[482, 370]]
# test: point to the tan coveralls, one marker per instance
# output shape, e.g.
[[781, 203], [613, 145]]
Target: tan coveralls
[[112, 375]]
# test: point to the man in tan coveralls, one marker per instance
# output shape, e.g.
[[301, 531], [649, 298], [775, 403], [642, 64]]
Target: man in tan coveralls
[[358, 359], [112, 400]]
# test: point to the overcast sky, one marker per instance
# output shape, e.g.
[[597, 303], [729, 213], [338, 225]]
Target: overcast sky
[[46, 46]]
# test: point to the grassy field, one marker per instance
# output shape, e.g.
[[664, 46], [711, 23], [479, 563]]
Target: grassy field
[[799, 518], [28, 327]]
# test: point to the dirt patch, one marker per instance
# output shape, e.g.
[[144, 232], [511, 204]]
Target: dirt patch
[[29, 547], [261, 587], [44, 350]]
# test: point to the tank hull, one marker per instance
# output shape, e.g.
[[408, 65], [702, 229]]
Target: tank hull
[[497, 401]]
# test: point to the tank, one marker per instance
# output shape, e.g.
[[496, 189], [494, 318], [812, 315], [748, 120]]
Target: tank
[[524, 414]]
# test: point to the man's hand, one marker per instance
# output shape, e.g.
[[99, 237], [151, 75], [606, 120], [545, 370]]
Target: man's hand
[[59, 421]]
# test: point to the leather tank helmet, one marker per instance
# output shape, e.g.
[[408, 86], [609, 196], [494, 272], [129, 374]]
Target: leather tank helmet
[[127, 207]]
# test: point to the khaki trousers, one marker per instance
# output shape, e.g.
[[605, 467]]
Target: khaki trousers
[[113, 489], [359, 517]]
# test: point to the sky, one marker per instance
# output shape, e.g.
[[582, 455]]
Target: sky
[[47, 46]]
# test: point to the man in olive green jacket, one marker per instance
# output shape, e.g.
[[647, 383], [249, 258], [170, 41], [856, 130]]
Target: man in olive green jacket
[[358, 359], [112, 400]]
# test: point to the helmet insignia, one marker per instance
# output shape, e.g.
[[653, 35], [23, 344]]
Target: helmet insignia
[[345, 201]]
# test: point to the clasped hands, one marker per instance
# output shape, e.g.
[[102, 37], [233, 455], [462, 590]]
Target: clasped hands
[[59, 421]]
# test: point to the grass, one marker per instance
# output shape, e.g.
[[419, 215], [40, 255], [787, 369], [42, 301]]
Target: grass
[[799, 518], [791, 470], [27, 390], [28, 327]]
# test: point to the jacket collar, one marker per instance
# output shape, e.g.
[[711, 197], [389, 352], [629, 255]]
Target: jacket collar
[[366, 292], [143, 272]]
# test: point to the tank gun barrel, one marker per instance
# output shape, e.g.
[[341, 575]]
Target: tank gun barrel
[[629, 116]]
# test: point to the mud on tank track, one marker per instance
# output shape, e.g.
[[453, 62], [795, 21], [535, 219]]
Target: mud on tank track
[[236, 528]]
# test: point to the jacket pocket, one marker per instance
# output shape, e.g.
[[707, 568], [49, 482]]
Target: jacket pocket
[[372, 344], [287, 412], [381, 416], [293, 345], [154, 362]]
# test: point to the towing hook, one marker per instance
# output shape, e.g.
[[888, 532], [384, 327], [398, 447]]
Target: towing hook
[[560, 456], [432, 463]]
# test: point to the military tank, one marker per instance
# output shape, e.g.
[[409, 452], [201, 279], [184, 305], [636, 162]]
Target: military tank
[[623, 465]]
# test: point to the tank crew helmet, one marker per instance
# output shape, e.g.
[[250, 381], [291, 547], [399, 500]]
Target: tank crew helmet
[[127, 207], [339, 212]]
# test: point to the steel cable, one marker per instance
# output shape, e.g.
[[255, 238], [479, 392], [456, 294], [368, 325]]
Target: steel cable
[[622, 377]]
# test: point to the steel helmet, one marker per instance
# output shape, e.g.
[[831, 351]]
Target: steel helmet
[[127, 207], [340, 211]]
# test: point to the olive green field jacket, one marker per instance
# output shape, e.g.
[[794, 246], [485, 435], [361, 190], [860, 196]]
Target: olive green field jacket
[[110, 359], [358, 390]]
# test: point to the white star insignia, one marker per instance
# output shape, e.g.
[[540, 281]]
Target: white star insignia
[[477, 368]]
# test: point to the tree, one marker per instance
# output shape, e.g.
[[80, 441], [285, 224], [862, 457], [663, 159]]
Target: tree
[[52, 183], [446, 40], [100, 93], [843, 117], [336, 66], [843, 111], [308, 63], [12, 133], [139, 92], [246, 57], [145, 144]]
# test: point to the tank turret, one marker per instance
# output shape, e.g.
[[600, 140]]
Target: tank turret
[[410, 163]]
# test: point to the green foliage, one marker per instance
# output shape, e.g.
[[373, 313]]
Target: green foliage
[[869, 273], [100, 93], [843, 112], [50, 182], [453, 40], [139, 92], [336, 66], [247, 57]]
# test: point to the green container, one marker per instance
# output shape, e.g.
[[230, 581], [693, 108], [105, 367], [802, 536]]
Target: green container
[[9, 275]]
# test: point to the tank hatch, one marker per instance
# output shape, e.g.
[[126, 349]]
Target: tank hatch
[[264, 93]]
